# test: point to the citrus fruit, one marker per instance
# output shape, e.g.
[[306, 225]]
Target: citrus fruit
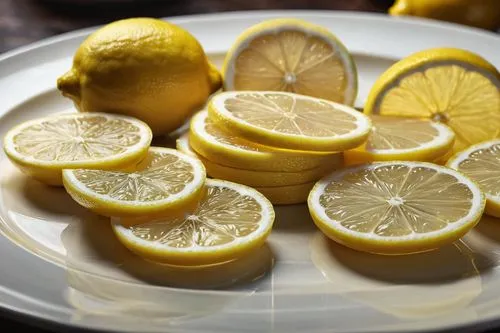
[[289, 120], [481, 163], [453, 86], [165, 182], [43, 147], [396, 207], [398, 138], [287, 195], [251, 177], [230, 221], [216, 144], [291, 55], [142, 67]]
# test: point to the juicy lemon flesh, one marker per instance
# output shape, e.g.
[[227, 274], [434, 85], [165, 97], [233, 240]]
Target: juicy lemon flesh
[[76, 139], [394, 133], [212, 233], [462, 97], [292, 61], [395, 201], [289, 115], [483, 166], [140, 190]]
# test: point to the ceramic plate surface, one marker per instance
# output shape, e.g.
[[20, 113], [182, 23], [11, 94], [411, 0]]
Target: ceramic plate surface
[[62, 265]]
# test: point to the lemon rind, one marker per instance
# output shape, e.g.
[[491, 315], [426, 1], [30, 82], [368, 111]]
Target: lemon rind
[[396, 245], [200, 255], [225, 119]]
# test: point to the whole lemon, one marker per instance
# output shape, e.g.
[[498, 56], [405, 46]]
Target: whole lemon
[[142, 67]]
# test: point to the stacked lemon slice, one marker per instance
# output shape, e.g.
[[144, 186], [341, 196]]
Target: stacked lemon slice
[[278, 142]]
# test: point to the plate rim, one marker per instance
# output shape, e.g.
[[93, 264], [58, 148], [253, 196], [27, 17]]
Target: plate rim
[[42, 320]]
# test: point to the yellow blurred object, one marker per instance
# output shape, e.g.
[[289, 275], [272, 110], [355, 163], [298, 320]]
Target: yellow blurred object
[[142, 67], [478, 13]]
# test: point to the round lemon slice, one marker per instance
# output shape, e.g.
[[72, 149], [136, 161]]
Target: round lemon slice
[[288, 120], [452, 86], [291, 55], [251, 177], [43, 147], [398, 138], [396, 207], [165, 182], [481, 163], [213, 143], [231, 220]]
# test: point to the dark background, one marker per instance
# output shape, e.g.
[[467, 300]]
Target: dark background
[[25, 21]]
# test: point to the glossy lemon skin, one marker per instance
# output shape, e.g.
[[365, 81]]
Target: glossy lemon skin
[[142, 67]]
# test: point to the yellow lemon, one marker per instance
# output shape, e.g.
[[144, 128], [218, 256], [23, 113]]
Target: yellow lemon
[[396, 207], [482, 14], [142, 67], [291, 55], [452, 86], [481, 162]]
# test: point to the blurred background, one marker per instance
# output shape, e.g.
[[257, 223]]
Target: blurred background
[[26, 21]]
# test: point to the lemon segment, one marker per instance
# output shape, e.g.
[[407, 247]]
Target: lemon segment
[[43, 147], [452, 86], [230, 221], [288, 120], [251, 177], [396, 207], [481, 163], [223, 147], [147, 68], [291, 55], [398, 138], [166, 182]]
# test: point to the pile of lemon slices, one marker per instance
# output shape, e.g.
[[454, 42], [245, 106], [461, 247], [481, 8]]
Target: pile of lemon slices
[[412, 172]]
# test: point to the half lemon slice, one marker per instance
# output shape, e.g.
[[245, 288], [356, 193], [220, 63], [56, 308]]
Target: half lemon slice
[[396, 207], [165, 182], [43, 147], [398, 138], [288, 120], [291, 55], [230, 221], [481, 162], [452, 86], [226, 148]]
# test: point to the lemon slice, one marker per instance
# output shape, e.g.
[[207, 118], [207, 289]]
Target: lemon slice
[[252, 177], [43, 147], [165, 182], [213, 143], [481, 163], [398, 138], [291, 55], [396, 207], [452, 86], [287, 195], [230, 221], [288, 120]]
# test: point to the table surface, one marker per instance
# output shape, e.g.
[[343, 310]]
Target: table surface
[[26, 21]]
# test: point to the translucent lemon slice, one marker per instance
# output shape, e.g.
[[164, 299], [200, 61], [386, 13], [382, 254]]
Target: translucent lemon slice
[[452, 86], [481, 163], [251, 177], [398, 138], [291, 55], [288, 120], [396, 207], [43, 147], [223, 147], [230, 221], [166, 182]]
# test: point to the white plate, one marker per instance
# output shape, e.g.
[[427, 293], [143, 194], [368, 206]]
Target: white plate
[[61, 264]]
